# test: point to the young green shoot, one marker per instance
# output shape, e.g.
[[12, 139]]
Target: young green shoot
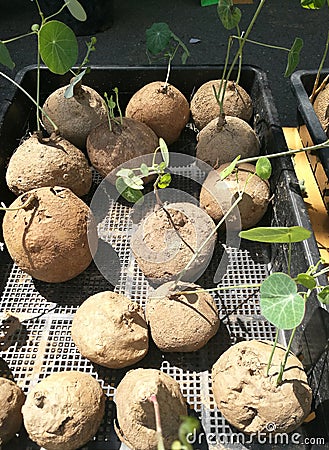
[[130, 183], [189, 426], [32, 100], [230, 16], [111, 104], [153, 399], [318, 4], [79, 73], [57, 45], [281, 302], [162, 43], [25, 203]]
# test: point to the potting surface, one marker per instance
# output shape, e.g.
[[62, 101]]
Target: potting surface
[[43, 344]]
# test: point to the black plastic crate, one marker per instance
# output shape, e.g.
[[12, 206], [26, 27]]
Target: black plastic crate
[[302, 82], [44, 344]]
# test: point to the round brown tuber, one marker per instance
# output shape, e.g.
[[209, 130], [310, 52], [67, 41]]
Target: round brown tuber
[[47, 237], [109, 149], [181, 322], [162, 107], [50, 162], [255, 198], [64, 410], [12, 399], [75, 116], [222, 140], [110, 330], [135, 412], [163, 246], [250, 400], [321, 107], [204, 106]]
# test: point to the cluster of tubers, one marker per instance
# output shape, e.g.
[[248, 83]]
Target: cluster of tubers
[[51, 235]]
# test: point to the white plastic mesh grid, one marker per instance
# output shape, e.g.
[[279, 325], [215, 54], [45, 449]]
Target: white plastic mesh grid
[[44, 345]]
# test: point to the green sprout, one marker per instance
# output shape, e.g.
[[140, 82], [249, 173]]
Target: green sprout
[[230, 16], [161, 42], [57, 46], [111, 104], [281, 301], [130, 183]]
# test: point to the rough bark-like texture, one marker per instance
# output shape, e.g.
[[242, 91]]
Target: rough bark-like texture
[[220, 143], [52, 238], [108, 150], [162, 251], [75, 116], [217, 195], [321, 107], [205, 108], [181, 322], [252, 401], [64, 410], [110, 330], [52, 163], [12, 399], [165, 110], [135, 413]]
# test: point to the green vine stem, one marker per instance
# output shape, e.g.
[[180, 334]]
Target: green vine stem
[[31, 98], [8, 41], [205, 242], [316, 90], [272, 352], [239, 52], [263, 44], [237, 80], [289, 257], [38, 86], [153, 399], [285, 359], [24, 205], [218, 289], [171, 57], [311, 148]]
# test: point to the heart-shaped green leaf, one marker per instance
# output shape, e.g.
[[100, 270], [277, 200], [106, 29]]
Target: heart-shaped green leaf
[[306, 280], [144, 169], [158, 37], [125, 173], [130, 194], [293, 56], [58, 46], [164, 151], [229, 169], [69, 91], [278, 235], [76, 9], [5, 57], [312, 4], [323, 295], [280, 303], [229, 14], [164, 181], [263, 168]]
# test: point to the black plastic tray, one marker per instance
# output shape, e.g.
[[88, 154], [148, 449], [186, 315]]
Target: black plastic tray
[[302, 82], [44, 345]]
